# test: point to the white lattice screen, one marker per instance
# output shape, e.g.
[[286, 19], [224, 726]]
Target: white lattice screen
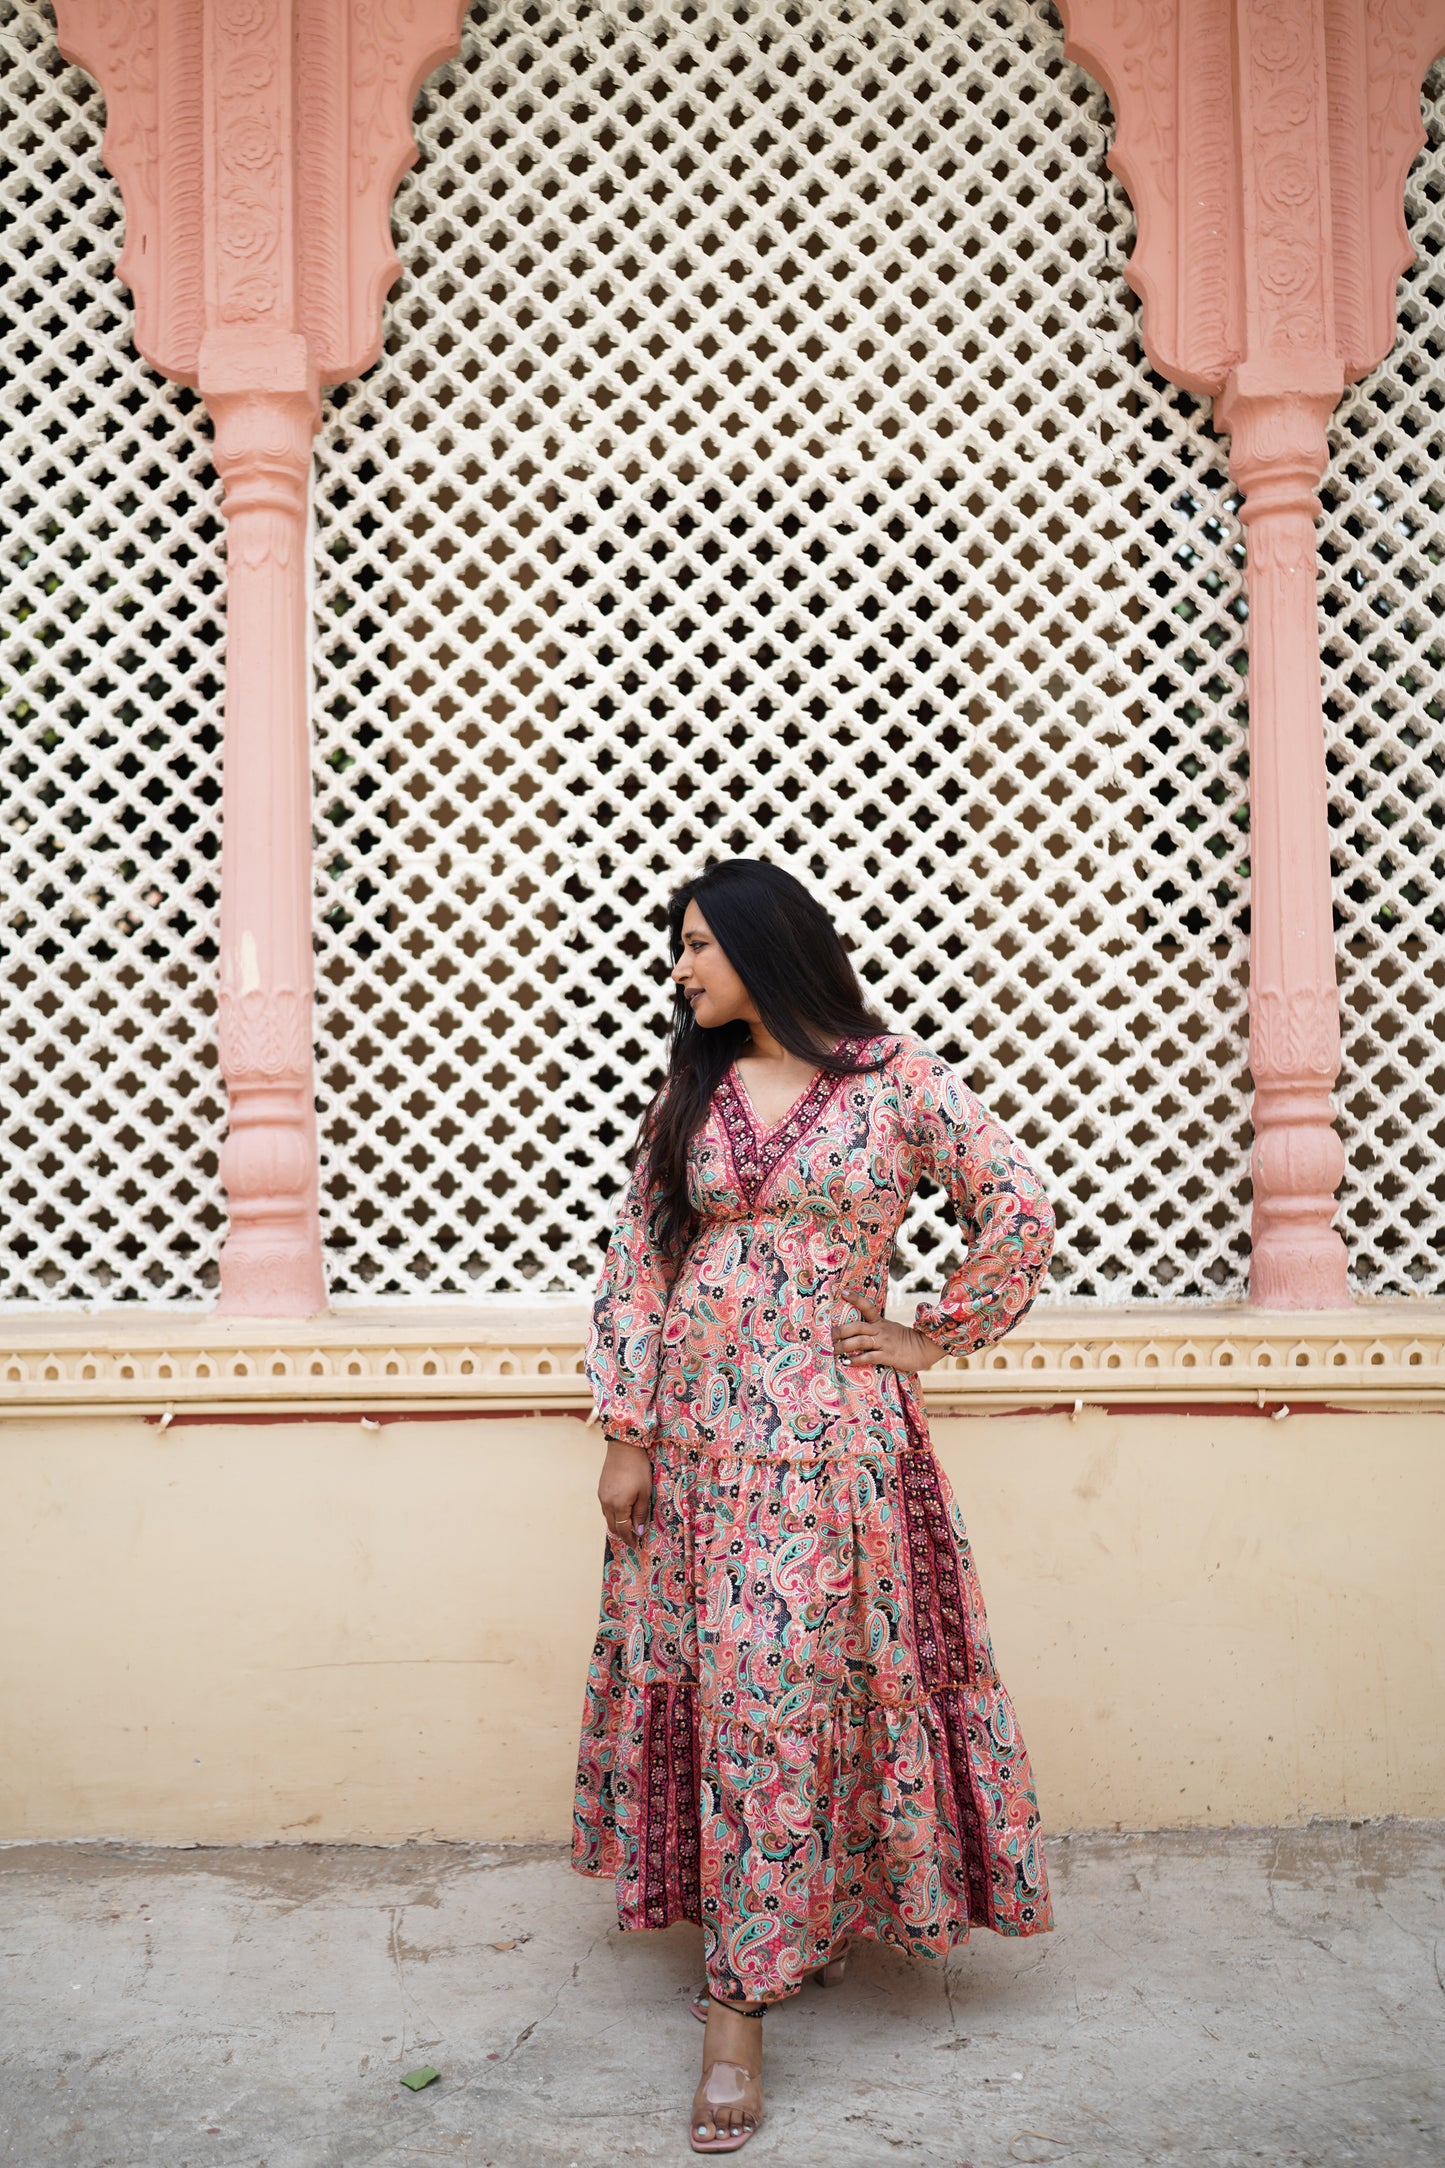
[[761, 462], [1383, 625], [111, 662]]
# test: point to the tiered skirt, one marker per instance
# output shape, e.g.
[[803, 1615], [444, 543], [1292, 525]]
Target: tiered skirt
[[793, 1730]]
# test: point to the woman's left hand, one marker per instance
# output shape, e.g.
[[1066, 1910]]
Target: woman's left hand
[[874, 1338]]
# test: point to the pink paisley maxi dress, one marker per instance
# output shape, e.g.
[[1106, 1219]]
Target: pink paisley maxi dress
[[793, 1730]]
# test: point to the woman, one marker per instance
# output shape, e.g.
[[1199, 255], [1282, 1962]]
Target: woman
[[794, 1731]]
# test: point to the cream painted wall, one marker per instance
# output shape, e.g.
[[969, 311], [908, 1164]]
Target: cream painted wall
[[293, 1631]]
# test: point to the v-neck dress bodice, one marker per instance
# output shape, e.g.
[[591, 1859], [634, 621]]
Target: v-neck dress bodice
[[798, 1219]]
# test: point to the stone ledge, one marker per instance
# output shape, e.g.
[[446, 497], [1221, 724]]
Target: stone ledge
[[522, 1357]]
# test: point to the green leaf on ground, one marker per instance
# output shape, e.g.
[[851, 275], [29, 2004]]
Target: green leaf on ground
[[416, 2079]]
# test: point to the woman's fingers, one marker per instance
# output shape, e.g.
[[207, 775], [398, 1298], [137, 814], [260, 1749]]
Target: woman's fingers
[[616, 1510], [860, 1333], [626, 1511], [861, 1347], [624, 1491], [874, 1338]]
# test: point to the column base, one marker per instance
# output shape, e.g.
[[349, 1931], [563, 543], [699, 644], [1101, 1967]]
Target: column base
[[1303, 1272], [271, 1278]]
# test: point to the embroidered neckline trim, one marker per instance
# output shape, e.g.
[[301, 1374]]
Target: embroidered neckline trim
[[755, 1151]]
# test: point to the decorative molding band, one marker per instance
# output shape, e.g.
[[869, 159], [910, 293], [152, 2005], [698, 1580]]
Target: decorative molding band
[[527, 1357]]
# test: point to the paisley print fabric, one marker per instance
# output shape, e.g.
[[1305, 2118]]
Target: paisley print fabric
[[793, 1727]]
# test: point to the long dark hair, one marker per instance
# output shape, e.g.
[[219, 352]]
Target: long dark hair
[[785, 949]]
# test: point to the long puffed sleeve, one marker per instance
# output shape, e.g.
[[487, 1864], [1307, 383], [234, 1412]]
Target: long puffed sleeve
[[624, 1337], [998, 1195]]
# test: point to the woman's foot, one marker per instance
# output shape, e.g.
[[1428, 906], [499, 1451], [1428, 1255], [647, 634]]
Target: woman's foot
[[728, 2105], [828, 1975]]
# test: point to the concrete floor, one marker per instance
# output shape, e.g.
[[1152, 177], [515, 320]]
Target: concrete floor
[[1211, 2001]]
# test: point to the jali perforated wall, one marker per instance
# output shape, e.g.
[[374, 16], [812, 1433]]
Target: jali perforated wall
[[762, 460], [1382, 601], [112, 659]]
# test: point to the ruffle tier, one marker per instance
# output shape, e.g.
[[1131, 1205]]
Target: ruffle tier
[[793, 1730]]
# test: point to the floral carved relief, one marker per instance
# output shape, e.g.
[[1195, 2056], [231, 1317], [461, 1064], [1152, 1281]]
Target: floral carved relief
[[251, 221], [1316, 104], [1132, 47], [380, 69], [394, 45], [258, 144], [1293, 1033], [1285, 159], [132, 136], [264, 1036], [1206, 268], [153, 146], [1401, 39]]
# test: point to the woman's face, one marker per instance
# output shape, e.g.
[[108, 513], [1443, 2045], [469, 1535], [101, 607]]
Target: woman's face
[[717, 994]]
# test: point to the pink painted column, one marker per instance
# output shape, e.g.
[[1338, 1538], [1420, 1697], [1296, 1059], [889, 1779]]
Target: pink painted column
[[258, 144], [1264, 144], [1277, 456], [271, 1261], [1275, 404]]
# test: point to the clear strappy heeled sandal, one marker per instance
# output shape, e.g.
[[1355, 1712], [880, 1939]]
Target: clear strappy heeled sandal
[[726, 2085]]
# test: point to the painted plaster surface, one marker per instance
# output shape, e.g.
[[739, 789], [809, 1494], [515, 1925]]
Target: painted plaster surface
[[287, 1631]]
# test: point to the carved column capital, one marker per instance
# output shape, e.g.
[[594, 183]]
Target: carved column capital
[[1291, 1035], [1278, 451], [262, 451], [264, 1036], [1275, 435], [258, 144], [1264, 145]]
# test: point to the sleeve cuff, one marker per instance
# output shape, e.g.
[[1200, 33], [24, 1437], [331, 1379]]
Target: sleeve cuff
[[954, 1335], [621, 1433]]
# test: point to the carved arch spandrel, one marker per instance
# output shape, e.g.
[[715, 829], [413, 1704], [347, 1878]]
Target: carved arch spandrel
[[357, 66], [1175, 154], [1380, 52], [146, 55], [379, 52], [1168, 67]]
